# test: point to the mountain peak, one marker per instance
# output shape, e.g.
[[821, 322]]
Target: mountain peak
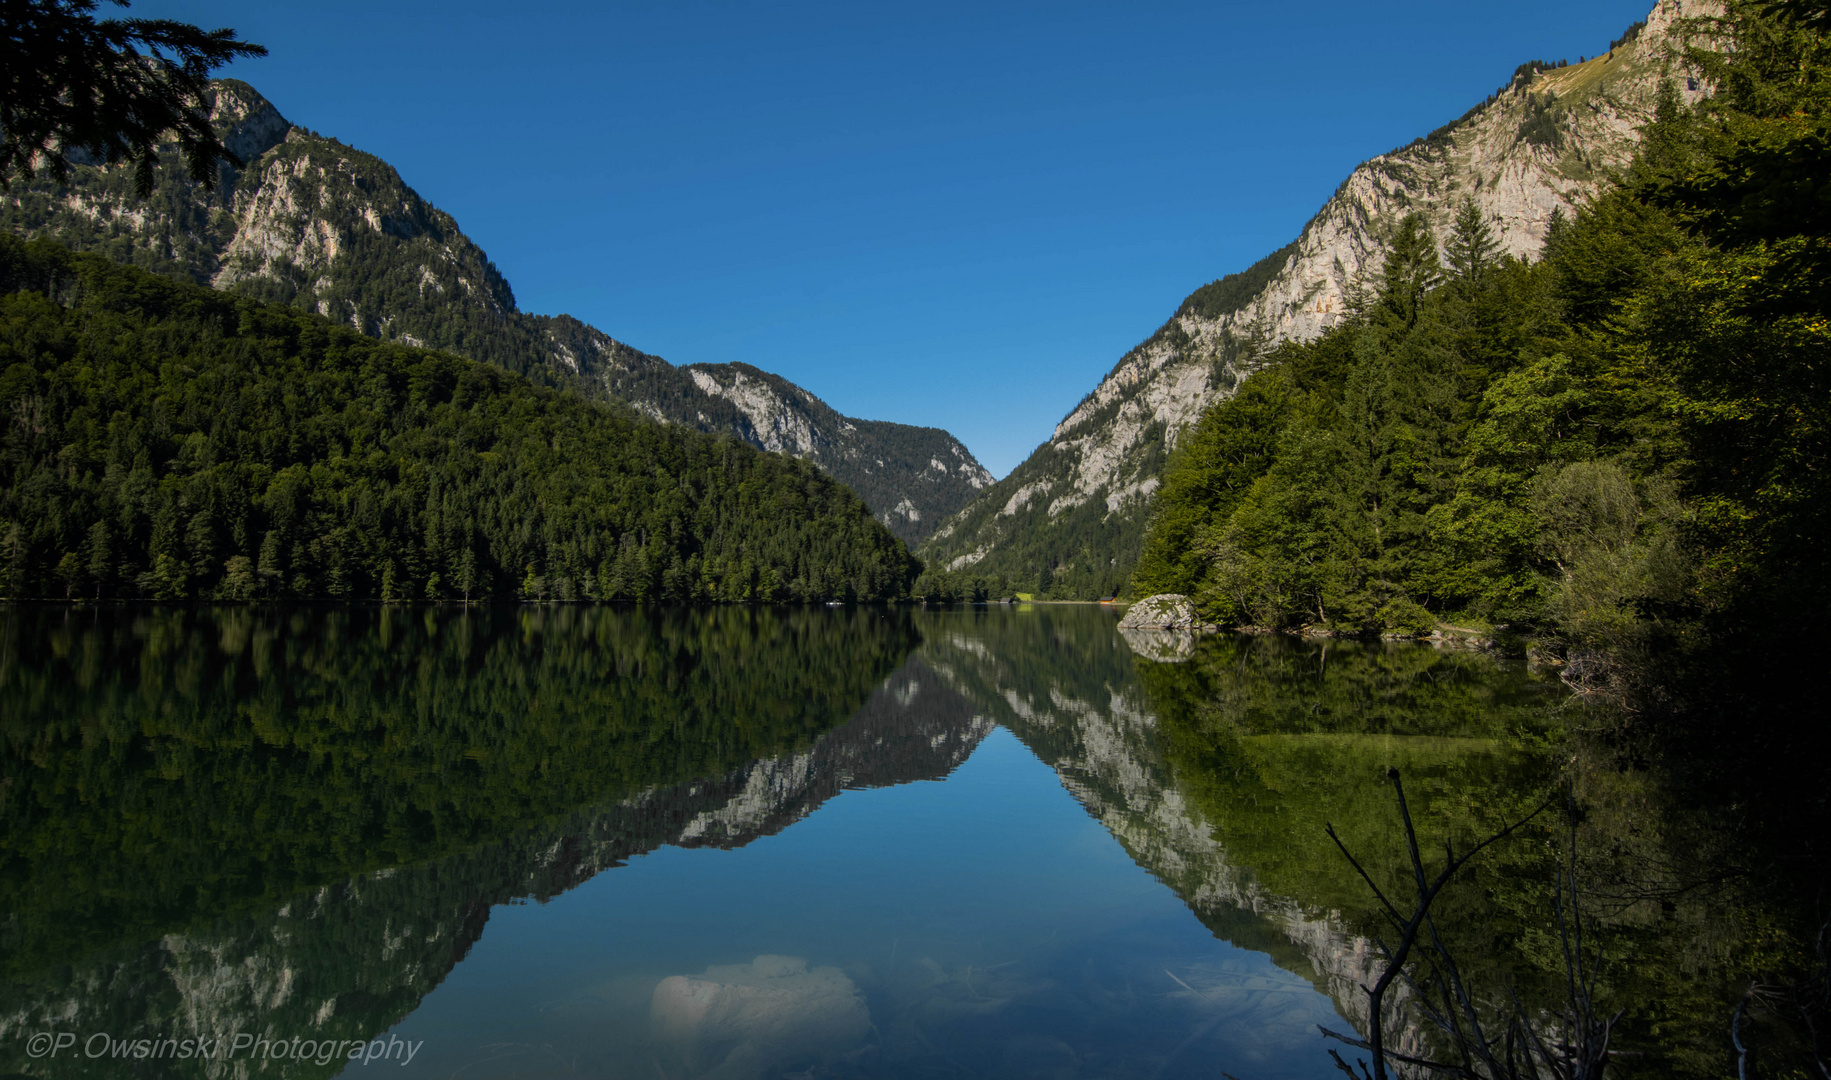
[[247, 123]]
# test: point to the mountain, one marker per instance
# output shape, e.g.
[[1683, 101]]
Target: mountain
[[255, 451], [912, 478], [311, 222], [1072, 517]]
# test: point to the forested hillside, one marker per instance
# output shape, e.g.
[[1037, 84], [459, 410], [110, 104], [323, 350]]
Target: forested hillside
[[170, 441], [313, 223], [1623, 444]]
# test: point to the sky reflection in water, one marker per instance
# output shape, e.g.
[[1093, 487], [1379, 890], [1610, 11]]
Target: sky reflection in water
[[991, 926]]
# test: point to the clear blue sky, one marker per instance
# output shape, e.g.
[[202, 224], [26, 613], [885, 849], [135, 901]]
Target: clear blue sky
[[959, 215]]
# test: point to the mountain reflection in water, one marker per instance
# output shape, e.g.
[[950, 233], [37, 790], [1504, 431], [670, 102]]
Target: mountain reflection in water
[[303, 821]]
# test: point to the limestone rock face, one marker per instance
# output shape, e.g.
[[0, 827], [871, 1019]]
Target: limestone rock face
[[249, 123], [911, 477], [1544, 144], [1165, 611]]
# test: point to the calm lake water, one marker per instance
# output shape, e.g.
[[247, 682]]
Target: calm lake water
[[610, 842]]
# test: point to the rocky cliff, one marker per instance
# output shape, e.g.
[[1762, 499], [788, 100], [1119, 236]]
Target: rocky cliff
[[311, 222], [1543, 144]]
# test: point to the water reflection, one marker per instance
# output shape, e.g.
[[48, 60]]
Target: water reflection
[[303, 821], [747, 1018], [987, 926], [298, 820]]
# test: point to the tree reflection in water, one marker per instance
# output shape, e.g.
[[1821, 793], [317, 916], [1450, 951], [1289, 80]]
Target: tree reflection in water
[[219, 817]]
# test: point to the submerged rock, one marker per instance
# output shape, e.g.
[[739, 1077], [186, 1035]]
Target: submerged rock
[[1165, 611], [741, 1020]]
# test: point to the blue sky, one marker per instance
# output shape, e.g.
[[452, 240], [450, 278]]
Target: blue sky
[[958, 215]]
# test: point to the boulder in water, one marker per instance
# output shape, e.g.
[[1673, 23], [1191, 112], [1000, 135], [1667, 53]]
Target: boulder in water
[[1165, 611]]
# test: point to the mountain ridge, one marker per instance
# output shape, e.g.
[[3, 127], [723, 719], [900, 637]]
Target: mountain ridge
[[311, 222]]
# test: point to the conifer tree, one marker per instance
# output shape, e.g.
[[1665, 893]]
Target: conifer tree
[[70, 572], [1472, 249], [1412, 269], [12, 558], [101, 557]]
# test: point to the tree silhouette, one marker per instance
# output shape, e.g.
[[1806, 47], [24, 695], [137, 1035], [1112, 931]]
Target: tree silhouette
[[112, 88]]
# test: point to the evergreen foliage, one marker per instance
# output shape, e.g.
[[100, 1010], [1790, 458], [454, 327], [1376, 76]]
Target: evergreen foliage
[[1234, 291], [1542, 127], [1616, 443], [948, 587], [1631, 34], [165, 440]]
